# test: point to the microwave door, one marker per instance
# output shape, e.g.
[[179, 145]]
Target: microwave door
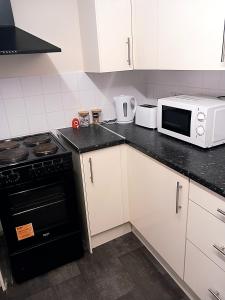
[[176, 120]]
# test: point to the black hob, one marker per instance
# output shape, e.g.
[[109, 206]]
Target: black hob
[[28, 149]]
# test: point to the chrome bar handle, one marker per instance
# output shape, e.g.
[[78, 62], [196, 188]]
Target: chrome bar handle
[[179, 187], [215, 294], [222, 212], [129, 52], [220, 249], [223, 46], [91, 170]]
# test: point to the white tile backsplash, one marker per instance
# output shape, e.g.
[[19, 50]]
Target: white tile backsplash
[[38, 123], [41, 103], [10, 88], [35, 105], [53, 102], [18, 125], [69, 82], [31, 86], [51, 84], [70, 100], [56, 120], [15, 107]]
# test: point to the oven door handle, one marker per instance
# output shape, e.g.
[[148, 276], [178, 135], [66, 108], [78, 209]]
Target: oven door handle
[[35, 208]]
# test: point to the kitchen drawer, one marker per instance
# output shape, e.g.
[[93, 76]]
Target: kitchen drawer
[[205, 230], [201, 274], [212, 202]]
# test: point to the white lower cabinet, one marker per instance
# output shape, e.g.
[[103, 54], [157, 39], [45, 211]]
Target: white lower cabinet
[[104, 189], [122, 184], [158, 206], [206, 232], [202, 275]]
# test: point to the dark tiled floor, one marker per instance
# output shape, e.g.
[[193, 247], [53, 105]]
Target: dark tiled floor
[[121, 269]]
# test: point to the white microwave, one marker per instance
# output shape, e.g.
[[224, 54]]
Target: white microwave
[[196, 120]]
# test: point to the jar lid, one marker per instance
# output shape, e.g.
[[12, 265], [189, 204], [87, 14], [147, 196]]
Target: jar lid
[[96, 110], [83, 113]]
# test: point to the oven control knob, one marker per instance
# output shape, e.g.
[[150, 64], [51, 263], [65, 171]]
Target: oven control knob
[[201, 116], [200, 130]]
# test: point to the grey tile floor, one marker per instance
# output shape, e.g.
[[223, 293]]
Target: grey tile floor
[[119, 270]]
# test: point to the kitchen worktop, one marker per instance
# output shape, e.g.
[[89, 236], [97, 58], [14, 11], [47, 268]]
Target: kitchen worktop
[[205, 166], [90, 138]]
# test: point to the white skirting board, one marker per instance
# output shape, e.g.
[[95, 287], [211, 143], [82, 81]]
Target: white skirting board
[[110, 235]]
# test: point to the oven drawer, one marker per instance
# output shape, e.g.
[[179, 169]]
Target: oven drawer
[[199, 222], [42, 258]]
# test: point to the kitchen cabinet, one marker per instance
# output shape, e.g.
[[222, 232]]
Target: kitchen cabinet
[[204, 263], [106, 34], [145, 40], [158, 199], [190, 34], [204, 277], [104, 189]]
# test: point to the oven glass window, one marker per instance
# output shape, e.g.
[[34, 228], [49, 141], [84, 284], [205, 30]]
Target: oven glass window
[[176, 120]]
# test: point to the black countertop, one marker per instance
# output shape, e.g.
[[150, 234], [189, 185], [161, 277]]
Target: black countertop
[[205, 166], [85, 139]]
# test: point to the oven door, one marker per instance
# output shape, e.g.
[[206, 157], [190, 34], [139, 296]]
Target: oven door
[[41, 213]]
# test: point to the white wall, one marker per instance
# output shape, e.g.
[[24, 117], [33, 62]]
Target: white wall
[[168, 83], [41, 92], [35, 104], [55, 21]]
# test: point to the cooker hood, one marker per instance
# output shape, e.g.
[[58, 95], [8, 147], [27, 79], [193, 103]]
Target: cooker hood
[[14, 40]]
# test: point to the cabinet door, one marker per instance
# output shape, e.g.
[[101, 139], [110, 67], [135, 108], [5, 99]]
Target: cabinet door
[[153, 199], [191, 34], [103, 187], [113, 19], [144, 25]]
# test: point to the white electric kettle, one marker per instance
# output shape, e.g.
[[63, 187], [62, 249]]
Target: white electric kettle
[[125, 108]]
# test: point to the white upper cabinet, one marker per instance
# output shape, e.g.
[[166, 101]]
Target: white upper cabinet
[[190, 34], [106, 34], [145, 43]]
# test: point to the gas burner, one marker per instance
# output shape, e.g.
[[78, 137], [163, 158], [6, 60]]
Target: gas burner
[[36, 140], [45, 149], [7, 145], [13, 155]]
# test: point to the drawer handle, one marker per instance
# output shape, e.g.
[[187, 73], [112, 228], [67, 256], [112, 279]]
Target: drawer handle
[[179, 187], [220, 249], [222, 212], [215, 294]]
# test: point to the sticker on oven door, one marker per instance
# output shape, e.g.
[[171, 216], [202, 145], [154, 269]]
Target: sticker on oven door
[[25, 231]]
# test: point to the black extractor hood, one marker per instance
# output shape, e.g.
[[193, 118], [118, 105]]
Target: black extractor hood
[[14, 40]]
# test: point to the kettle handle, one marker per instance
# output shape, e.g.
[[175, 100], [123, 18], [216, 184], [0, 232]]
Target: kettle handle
[[134, 104]]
